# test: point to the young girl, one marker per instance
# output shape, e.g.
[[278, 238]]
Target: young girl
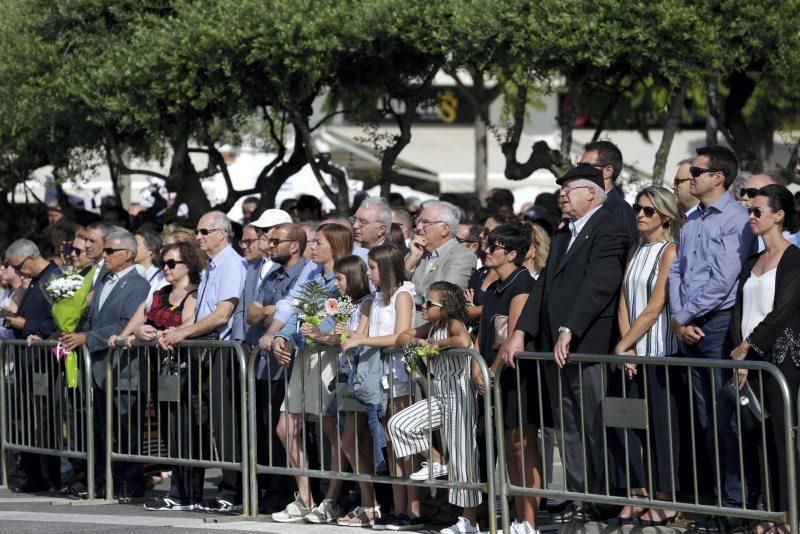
[[391, 313], [350, 279], [453, 403]]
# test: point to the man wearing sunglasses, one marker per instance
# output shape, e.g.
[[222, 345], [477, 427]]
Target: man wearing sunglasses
[[34, 317], [702, 291], [607, 157], [687, 203], [117, 295], [218, 296]]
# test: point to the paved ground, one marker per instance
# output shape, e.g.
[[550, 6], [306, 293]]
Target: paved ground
[[53, 513]]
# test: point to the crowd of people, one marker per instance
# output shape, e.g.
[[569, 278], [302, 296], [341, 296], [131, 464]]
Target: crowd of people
[[708, 269]]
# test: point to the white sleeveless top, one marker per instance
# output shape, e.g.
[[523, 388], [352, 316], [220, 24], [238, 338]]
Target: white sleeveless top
[[638, 285], [758, 299], [381, 323]]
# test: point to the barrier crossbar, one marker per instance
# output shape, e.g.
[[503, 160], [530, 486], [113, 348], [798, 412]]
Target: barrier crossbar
[[628, 417], [314, 371], [197, 393], [39, 413]]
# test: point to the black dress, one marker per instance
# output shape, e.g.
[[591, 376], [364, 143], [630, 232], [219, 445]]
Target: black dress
[[497, 301]]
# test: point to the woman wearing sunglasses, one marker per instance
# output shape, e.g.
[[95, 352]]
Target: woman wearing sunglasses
[[174, 304], [766, 322], [644, 325], [76, 253]]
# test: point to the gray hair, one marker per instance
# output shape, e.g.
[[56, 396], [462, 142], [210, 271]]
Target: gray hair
[[448, 214], [222, 222], [125, 239], [23, 249], [686, 161], [383, 213], [104, 228], [598, 191]]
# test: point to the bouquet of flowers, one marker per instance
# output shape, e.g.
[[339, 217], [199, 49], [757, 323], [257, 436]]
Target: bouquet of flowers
[[413, 354], [310, 304], [69, 294], [341, 310]]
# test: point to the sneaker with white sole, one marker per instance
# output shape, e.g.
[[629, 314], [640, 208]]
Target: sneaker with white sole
[[169, 504], [294, 512], [220, 505], [526, 528], [435, 470], [462, 526], [324, 512]]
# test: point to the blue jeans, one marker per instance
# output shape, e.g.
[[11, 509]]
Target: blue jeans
[[378, 436], [714, 346]]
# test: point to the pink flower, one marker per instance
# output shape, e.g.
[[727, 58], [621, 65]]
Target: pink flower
[[331, 306], [59, 351]]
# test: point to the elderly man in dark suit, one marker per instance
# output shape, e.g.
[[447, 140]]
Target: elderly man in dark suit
[[117, 295], [573, 308]]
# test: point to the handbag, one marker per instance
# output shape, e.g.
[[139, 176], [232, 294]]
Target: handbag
[[500, 324]]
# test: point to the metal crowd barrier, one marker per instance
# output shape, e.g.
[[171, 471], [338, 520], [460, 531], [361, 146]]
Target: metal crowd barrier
[[628, 417], [196, 390], [40, 414], [319, 367]]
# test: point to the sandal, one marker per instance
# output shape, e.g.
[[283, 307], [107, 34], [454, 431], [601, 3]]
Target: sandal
[[768, 527], [357, 517]]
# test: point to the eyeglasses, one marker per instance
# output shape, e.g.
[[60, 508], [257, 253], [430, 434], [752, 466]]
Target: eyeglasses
[[492, 246], [649, 211], [678, 181], [247, 243], [109, 251], [696, 172], [425, 224], [275, 241], [206, 231], [429, 303], [170, 264], [751, 192], [17, 267], [567, 189], [757, 212], [77, 251], [361, 222]]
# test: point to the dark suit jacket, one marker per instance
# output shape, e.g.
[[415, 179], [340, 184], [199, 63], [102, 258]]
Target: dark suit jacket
[[616, 202], [101, 323], [579, 288], [36, 309]]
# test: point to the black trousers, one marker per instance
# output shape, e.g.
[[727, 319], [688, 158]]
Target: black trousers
[[269, 396], [128, 406]]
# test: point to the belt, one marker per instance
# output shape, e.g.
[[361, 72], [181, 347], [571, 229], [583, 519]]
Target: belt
[[712, 315]]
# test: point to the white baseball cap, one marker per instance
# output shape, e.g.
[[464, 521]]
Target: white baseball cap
[[272, 217]]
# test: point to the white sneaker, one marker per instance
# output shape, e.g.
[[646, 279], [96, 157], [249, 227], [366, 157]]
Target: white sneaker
[[462, 526], [526, 528], [294, 512], [425, 473], [325, 512]]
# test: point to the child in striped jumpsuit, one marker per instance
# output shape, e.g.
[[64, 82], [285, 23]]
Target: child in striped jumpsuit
[[453, 401]]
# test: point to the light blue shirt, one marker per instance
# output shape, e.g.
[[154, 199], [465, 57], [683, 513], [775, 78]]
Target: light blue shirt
[[111, 281], [223, 279]]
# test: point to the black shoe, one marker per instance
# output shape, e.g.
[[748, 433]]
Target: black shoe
[[382, 522], [169, 504], [220, 505], [717, 524], [405, 522], [566, 515], [555, 507], [650, 523], [32, 487], [126, 496], [99, 493]]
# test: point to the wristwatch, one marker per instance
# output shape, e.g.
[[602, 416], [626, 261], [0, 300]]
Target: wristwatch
[[564, 329]]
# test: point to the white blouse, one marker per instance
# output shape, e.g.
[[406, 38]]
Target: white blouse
[[758, 299]]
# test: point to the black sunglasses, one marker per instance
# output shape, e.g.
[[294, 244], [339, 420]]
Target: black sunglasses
[[429, 303], [109, 251], [751, 192], [696, 172], [275, 241], [205, 231], [758, 212], [172, 263], [649, 211], [678, 181], [492, 246], [247, 243]]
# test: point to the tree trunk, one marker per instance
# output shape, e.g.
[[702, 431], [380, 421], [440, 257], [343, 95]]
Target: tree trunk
[[712, 104], [481, 131], [568, 120], [390, 155], [673, 120], [271, 179], [741, 89], [184, 180]]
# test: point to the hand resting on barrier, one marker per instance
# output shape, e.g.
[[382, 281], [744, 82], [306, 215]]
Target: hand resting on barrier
[[282, 349], [514, 344], [73, 341], [170, 337], [31, 339]]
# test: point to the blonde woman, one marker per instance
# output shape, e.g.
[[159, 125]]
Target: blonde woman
[[536, 258], [645, 331]]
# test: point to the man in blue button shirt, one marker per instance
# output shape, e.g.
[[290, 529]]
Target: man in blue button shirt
[[702, 289]]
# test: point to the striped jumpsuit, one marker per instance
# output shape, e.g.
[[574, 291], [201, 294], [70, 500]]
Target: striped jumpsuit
[[452, 406]]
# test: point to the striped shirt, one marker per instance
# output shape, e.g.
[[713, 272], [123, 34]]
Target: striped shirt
[[638, 285]]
